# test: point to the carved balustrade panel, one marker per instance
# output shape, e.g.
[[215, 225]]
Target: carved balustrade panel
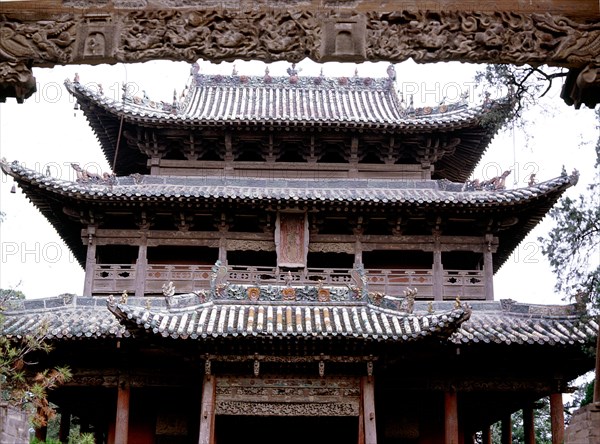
[[116, 278], [465, 284]]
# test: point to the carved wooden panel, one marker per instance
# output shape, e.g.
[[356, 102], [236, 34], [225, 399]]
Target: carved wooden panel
[[291, 239], [288, 396]]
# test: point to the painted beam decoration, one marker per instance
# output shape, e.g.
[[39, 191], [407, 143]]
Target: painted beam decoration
[[85, 32]]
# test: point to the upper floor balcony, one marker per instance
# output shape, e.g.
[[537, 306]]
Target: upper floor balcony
[[116, 278]]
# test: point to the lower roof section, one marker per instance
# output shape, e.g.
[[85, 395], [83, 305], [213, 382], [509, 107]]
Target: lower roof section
[[182, 317]]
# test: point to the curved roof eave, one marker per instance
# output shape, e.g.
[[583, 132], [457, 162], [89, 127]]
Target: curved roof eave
[[461, 118], [138, 188], [505, 322]]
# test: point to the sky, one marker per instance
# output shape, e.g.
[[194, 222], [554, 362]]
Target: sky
[[47, 133]]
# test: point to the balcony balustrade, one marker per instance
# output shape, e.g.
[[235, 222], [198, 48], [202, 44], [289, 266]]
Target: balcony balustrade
[[116, 278]]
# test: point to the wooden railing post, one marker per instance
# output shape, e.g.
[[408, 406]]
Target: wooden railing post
[[90, 261], [140, 267], [438, 276], [488, 268]]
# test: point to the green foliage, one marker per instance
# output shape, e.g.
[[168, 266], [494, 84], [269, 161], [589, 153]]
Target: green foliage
[[584, 395], [17, 386], [83, 438], [541, 420], [573, 246], [588, 396], [522, 86], [74, 438], [7, 294]]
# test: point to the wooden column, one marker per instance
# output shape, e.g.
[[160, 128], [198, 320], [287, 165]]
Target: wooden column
[[488, 268], [65, 425], [486, 435], [223, 228], [122, 419], [557, 418], [528, 425], [141, 266], [361, 422], [154, 163], [438, 275], [229, 157], [358, 248], [90, 261], [357, 253], [451, 417], [506, 429], [367, 389], [207, 411]]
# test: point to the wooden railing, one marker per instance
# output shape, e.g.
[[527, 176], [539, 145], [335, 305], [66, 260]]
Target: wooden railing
[[115, 278]]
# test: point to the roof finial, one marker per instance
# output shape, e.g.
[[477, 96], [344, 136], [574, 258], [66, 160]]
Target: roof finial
[[292, 71], [76, 78], [267, 78], [321, 73], [234, 71], [356, 72], [391, 72]]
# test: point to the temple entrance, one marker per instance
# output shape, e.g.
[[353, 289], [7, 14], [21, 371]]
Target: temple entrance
[[290, 410], [289, 430]]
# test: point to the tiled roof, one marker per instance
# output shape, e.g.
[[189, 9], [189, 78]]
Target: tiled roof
[[188, 189], [503, 322], [508, 322], [295, 100], [62, 317], [300, 320]]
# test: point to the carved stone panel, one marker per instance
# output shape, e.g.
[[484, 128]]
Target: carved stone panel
[[288, 396], [95, 38], [344, 39]]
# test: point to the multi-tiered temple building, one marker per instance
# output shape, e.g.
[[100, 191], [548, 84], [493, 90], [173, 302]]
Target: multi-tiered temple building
[[296, 259]]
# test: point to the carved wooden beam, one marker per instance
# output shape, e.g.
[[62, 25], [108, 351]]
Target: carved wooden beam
[[556, 32]]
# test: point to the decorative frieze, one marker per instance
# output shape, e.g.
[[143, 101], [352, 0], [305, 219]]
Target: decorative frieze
[[286, 409], [288, 396], [293, 33]]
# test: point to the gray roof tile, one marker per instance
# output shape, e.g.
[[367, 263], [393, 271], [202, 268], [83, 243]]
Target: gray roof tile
[[325, 190], [357, 101], [485, 322]]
